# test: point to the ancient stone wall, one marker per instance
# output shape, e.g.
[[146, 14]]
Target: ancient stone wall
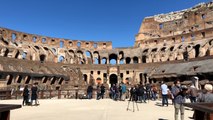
[[177, 37]]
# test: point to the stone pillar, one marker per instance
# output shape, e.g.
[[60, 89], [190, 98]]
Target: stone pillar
[[118, 61], [139, 60], [131, 62]]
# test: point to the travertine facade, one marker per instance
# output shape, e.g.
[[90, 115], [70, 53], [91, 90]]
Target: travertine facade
[[158, 53]]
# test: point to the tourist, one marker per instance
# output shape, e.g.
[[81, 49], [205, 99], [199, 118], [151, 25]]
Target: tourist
[[206, 95], [193, 92], [154, 92], [34, 92], [102, 91], [123, 91], [164, 91], [179, 98], [141, 94], [25, 96], [98, 92], [89, 91]]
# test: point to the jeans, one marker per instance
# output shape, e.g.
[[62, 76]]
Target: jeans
[[164, 100], [179, 107], [89, 95]]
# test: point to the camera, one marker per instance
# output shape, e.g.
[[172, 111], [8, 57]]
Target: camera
[[184, 88]]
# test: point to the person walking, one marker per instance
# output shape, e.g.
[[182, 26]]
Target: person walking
[[164, 91], [179, 98]]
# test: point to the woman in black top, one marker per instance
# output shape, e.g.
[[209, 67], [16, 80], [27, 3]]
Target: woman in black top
[[25, 95]]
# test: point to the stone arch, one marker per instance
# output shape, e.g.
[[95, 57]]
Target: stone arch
[[16, 54], [197, 50], [135, 59], [171, 48], [145, 51], [61, 80], [53, 50], [5, 52], [37, 47], [144, 57], [128, 60], [9, 79], [80, 57], [85, 77], [71, 53], [96, 57], [121, 61], [42, 58], [113, 79], [52, 80], [27, 79], [61, 59], [154, 50], [19, 79], [104, 60], [163, 49], [89, 57], [113, 58], [44, 79], [24, 55], [141, 78]]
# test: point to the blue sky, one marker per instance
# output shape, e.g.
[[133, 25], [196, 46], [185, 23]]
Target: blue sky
[[93, 20]]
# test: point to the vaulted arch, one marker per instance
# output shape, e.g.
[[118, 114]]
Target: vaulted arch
[[113, 58]]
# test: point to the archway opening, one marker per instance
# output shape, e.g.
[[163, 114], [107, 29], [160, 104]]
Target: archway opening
[[42, 58], [197, 50], [113, 59], [113, 79]]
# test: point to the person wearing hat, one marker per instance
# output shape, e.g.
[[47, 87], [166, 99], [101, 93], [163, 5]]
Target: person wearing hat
[[206, 96]]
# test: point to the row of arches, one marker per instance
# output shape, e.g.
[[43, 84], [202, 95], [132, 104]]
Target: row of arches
[[23, 79], [81, 56]]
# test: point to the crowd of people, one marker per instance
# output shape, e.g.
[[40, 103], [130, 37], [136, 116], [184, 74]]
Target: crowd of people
[[141, 93]]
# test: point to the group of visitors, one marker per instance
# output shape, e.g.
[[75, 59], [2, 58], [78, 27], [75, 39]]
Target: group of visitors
[[179, 93], [100, 91], [28, 97]]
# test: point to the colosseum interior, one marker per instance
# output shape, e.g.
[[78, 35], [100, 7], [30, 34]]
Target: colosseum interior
[[168, 46]]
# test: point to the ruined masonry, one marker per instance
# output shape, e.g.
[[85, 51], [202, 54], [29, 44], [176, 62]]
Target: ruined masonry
[[167, 46]]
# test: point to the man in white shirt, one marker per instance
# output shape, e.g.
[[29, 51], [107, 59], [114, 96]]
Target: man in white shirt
[[164, 89]]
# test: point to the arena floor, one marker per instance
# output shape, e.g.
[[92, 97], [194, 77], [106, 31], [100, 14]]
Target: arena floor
[[106, 109]]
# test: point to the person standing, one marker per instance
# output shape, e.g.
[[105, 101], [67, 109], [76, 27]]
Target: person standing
[[89, 91], [102, 91], [179, 98], [98, 92], [25, 96], [164, 91], [34, 92], [193, 93], [123, 91]]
